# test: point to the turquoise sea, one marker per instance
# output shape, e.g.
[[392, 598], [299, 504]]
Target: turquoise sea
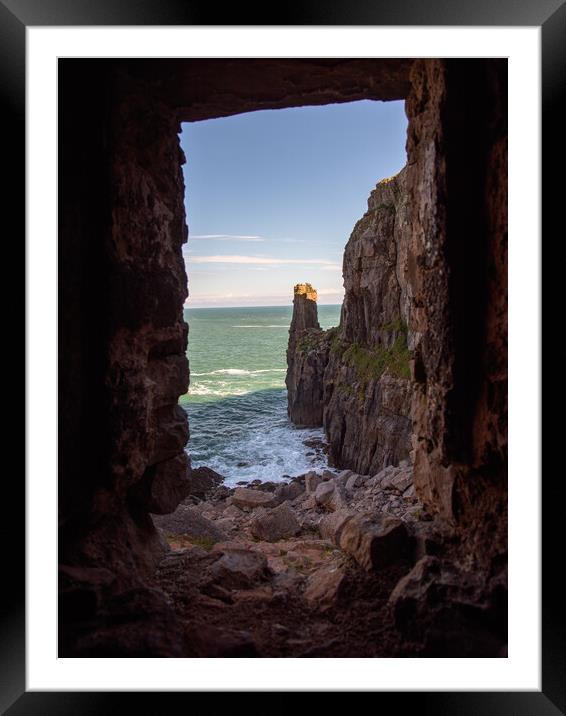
[[237, 401]]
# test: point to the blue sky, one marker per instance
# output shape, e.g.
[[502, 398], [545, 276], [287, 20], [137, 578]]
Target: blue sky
[[272, 197]]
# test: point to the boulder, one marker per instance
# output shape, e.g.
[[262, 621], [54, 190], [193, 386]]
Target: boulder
[[273, 525], [409, 492], [288, 491], [402, 480], [450, 612], [240, 568], [232, 511], [332, 524], [343, 477], [312, 481], [188, 522], [245, 497], [325, 586], [375, 542], [203, 480], [330, 496], [353, 482]]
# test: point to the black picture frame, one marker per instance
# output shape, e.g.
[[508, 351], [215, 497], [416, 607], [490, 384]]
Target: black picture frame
[[550, 15]]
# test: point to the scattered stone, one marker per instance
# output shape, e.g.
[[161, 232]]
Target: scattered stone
[[402, 480], [331, 525], [267, 486], [227, 524], [289, 491], [276, 524], [312, 481], [375, 542], [189, 522], [328, 475], [240, 568], [232, 511], [325, 586], [329, 495], [246, 497], [409, 492], [203, 480], [352, 482], [343, 477]]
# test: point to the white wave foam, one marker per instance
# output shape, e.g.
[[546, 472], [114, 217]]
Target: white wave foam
[[202, 389], [239, 371]]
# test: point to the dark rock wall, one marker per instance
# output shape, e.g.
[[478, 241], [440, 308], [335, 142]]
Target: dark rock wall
[[457, 271], [123, 339]]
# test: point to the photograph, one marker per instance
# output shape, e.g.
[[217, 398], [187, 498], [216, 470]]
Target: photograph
[[283, 325], [283, 348]]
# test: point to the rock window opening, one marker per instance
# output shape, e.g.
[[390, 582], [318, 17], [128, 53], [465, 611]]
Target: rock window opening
[[410, 388]]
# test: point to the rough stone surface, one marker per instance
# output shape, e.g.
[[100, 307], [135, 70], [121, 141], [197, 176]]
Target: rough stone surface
[[189, 522], [289, 491], [202, 480], [352, 482], [240, 568], [448, 611], [164, 485], [375, 543], [330, 495], [305, 372], [246, 497], [325, 586], [331, 525], [312, 481], [275, 524]]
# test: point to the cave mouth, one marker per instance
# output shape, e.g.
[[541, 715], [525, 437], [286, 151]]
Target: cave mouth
[[123, 591], [286, 187]]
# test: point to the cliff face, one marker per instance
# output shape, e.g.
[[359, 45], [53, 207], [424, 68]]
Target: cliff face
[[363, 365]]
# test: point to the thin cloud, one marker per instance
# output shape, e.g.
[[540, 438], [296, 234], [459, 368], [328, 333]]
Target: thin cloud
[[261, 260], [225, 237]]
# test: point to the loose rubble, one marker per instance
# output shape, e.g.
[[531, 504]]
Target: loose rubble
[[250, 552]]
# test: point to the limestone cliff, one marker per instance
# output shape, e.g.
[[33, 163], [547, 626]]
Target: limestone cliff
[[354, 379]]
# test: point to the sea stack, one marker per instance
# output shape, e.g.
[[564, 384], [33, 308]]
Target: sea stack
[[305, 362]]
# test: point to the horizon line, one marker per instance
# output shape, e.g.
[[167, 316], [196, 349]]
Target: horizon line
[[276, 305]]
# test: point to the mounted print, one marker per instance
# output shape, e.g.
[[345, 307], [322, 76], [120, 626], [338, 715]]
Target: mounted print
[[283, 357]]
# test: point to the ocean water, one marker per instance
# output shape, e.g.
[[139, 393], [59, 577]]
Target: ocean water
[[237, 400]]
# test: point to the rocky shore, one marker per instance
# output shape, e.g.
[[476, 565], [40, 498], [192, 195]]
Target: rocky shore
[[287, 569]]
